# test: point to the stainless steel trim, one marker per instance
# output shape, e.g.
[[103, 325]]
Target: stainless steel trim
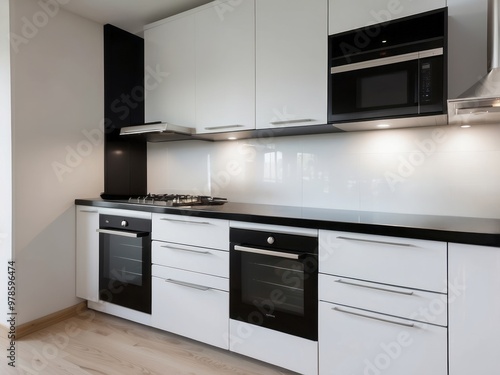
[[266, 252], [186, 221], [292, 121], [387, 60], [89, 211], [118, 233], [411, 325], [374, 287], [161, 127], [189, 285], [224, 127], [189, 250], [374, 241]]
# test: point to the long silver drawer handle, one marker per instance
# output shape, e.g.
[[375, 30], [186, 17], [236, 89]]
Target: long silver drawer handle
[[411, 325], [120, 233], [189, 250], [266, 252], [292, 121], [187, 222], [374, 287], [224, 127], [189, 285], [89, 211], [374, 241]]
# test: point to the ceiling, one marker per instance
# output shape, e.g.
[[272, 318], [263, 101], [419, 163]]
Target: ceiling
[[130, 15]]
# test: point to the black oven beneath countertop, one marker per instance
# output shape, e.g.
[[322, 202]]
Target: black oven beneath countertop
[[274, 281], [125, 262]]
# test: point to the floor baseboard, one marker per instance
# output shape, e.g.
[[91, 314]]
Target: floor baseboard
[[46, 321]]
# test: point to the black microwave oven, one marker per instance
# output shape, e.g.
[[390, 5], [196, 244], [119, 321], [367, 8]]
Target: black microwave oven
[[390, 70]]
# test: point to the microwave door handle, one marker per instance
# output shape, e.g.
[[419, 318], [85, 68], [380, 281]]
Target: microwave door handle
[[386, 61]]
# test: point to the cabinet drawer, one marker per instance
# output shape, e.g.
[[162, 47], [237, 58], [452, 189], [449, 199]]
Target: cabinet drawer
[[396, 261], [353, 341], [405, 303], [198, 313], [201, 280], [190, 258], [189, 230]]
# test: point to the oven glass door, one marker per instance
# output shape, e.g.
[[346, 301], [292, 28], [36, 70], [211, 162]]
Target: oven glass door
[[275, 292], [125, 270], [377, 92]]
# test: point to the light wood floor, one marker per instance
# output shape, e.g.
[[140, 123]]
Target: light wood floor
[[99, 344]]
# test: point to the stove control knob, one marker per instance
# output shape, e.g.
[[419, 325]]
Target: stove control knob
[[270, 240], [124, 223]]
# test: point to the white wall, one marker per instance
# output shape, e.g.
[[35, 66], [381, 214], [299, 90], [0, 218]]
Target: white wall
[[440, 171], [5, 157], [57, 70]]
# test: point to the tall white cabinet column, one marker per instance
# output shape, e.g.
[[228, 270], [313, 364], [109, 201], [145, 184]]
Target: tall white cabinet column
[[474, 309]]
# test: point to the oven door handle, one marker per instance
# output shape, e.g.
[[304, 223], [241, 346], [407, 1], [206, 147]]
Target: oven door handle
[[278, 254], [123, 233]]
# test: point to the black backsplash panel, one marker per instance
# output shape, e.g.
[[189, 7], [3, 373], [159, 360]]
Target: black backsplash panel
[[125, 159]]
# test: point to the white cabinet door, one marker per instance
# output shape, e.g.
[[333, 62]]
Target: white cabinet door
[[87, 253], [170, 71], [397, 261], [291, 55], [225, 67], [191, 305], [190, 230], [353, 341], [348, 14], [474, 309]]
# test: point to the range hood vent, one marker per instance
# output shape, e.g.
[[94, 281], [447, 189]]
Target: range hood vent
[[480, 104], [155, 127]]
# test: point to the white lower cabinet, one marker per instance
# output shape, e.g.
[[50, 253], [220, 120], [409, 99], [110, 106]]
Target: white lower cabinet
[[354, 341], [474, 304], [278, 348], [191, 305]]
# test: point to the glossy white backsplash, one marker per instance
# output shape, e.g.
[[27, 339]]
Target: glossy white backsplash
[[436, 170]]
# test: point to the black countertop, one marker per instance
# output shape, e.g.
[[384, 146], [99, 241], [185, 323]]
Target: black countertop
[[467, 230]]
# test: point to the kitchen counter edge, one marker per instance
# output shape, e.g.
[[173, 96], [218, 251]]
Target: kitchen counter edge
[[466, 230]]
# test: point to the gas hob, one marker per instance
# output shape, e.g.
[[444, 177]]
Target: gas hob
[[177, 200]]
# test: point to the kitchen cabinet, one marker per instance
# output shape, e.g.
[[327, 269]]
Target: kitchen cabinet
[[87, 253], [225, 67], [383, 305], [347, 15], [354, 341], [170, 71], [474, 309], [291, 63], [383, 259], [190, 284]]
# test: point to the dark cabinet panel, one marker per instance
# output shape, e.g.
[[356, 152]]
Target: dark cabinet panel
[[125, 159]]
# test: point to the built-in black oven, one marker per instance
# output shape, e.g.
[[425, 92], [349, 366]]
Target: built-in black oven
[[389, 70], [274, 281], [125, 261]]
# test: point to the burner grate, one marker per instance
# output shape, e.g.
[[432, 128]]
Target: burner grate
[[176, 200]]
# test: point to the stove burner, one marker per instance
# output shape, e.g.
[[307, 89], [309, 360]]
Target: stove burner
[[176, 200]]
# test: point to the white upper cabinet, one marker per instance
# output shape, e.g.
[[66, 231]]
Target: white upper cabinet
[[170, 71], [291, 57], [225, 67], [348, 14]]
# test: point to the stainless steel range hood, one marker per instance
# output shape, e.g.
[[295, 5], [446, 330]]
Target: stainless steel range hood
[[480, 104], [159, 131]]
